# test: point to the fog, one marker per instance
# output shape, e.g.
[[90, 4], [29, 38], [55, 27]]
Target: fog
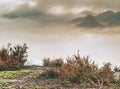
[[62, 40]]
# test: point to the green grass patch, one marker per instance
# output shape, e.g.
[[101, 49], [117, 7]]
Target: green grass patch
[[63, 82], [2, 83], [118, 88], [13, 74]]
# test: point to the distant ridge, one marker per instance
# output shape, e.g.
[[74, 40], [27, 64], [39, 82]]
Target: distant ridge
[[89, 21], [108, 18]]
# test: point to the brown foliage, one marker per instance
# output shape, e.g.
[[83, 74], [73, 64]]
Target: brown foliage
[[12, 58], [117, 69], [84, 71], [53, 63]]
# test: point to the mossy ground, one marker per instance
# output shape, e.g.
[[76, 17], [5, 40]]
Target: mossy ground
[[14, 74], [29, 80]]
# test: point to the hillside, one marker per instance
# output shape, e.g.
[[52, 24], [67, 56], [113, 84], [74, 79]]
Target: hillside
[[107, 19]]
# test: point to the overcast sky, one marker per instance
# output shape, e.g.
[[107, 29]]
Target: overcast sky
[[58, 8], [41, 24], [52, 11], [46, 5]]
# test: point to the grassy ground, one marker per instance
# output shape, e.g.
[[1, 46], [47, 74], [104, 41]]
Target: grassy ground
[[27, 78], [14, 74]]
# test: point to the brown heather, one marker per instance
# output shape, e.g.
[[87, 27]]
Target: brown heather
[[83, 71], [12, 58]]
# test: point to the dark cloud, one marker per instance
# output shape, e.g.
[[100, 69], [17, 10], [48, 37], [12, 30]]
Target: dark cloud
[[24, 11], [40, 11], [34, 13]]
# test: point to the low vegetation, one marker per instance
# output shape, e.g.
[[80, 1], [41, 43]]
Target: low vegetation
[[63, 82], [52, 62], [76, 70], [13, 57], [117, 69], [82, 71], [13, 74]]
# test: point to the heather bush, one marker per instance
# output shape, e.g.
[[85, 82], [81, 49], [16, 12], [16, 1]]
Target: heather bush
[[13, 57], [77, 68], [49, 73], [117, 69], [83, 71], [46, 62], [53, 63]]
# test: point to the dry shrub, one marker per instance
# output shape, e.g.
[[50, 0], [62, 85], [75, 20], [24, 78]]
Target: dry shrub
[[12, 58], [49, 73], [106, 75], [78, 69], [84, 71], [117, 69], [46, 62], [53, 63]]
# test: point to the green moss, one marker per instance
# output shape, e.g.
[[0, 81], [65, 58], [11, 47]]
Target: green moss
[[2, 83], [13, 74], [118, 88], [63, 82]]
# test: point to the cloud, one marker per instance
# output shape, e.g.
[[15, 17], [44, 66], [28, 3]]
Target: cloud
[[44, 5], [24, 11], [95, 4], [39, 10]]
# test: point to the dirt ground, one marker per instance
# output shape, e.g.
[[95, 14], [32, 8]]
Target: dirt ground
[[31, 82]]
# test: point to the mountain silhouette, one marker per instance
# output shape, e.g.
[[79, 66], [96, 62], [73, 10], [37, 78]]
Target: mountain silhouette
[[105, 16], [108, 18], [89, 21]]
